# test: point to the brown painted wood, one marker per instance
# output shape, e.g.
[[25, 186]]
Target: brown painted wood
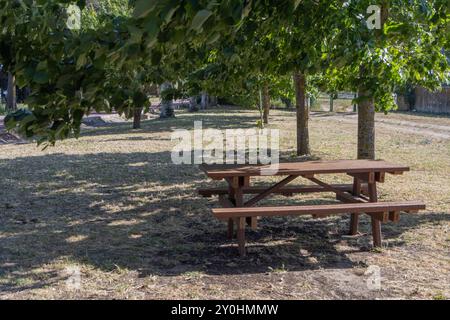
[[287, 191], [373, 195], [339, 208], [394, 216], [236, 187], [380, 176], [368, 177], [226, 203], [304, 168], [328, 187], [376, 232], [380, 216], [269, 191], [241, 235], [376, 219], [354, 217]]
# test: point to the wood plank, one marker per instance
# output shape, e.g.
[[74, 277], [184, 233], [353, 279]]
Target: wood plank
[[376, 232], [341, 208], [380, 176], [328, 187], [288, 190], [270, 190], [394, 216], [368, 177], [304, 168], [241, 235], [354, 217], [226, 203]]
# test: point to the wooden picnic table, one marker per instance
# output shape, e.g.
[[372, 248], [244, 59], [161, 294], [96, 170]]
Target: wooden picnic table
[[358, 197]]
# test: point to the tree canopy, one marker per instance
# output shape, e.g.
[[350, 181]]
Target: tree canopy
[[215, 45]]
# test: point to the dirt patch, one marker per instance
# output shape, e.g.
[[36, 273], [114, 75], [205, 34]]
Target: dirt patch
[[405, 126], [8, 138]]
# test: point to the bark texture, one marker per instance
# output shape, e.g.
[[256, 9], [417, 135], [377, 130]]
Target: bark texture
[[137, 115], [302, 114], [366, 126], [266, 103], [11, 99]]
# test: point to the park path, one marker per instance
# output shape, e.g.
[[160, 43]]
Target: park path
[[425, 127]]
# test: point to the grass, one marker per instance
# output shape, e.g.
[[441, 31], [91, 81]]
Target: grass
[[113, 205], [3, 108]]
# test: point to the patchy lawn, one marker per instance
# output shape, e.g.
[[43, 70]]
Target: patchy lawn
[[111, 210]]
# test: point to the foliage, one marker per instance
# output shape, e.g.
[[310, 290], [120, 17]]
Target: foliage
[[227, 46]]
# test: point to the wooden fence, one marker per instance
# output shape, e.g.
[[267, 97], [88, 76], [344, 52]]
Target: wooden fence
[[432, 102]]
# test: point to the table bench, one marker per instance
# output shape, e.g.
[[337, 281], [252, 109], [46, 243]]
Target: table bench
[[356, 198]]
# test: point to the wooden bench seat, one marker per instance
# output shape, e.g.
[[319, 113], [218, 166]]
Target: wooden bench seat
[[286, 191], [379, 212], [326, 209]]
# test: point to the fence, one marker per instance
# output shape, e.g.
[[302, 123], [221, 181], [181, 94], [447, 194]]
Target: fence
[[433, 102]]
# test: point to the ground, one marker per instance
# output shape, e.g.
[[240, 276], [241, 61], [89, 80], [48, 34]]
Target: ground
[[111, 210]]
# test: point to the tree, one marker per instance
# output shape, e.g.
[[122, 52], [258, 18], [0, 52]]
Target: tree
[[266, 102], [302, 114], [168, 93], [405, 46], [11, 103], [309, 36]]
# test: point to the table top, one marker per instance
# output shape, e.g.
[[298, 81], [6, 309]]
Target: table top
[[215, 171]]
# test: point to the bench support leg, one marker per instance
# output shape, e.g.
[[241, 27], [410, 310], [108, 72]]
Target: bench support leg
[[376, 232], [241, 236], [230, 229], [354, 218], [376, 223]]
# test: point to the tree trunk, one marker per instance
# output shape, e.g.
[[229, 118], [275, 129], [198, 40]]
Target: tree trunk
[[166, 102], [366, 126], [366, 107], [302, 114], [331, 103], [203, 103], [11, 99], [137, 118], [213, 101], [266, 103], [193, 104]]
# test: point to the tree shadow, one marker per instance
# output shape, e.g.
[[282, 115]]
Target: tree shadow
[[138, 211], [220, 119]]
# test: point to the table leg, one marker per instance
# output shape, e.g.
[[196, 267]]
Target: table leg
[[241, 236], [230, 230], [239, 202], [236, 195], [376, 224], [251, 221], [354, 218]]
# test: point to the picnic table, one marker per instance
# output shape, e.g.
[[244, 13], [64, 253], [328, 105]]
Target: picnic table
[[355, 198]]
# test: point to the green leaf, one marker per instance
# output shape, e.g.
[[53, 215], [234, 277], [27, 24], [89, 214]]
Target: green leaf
[[200, 18], [40, 77], [296, 3], [143, 8]]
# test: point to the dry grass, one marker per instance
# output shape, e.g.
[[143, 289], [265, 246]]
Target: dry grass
[[112, 204]]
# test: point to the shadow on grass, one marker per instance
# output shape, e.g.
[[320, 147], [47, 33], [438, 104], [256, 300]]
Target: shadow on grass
[[138, 211], [220, 119]]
